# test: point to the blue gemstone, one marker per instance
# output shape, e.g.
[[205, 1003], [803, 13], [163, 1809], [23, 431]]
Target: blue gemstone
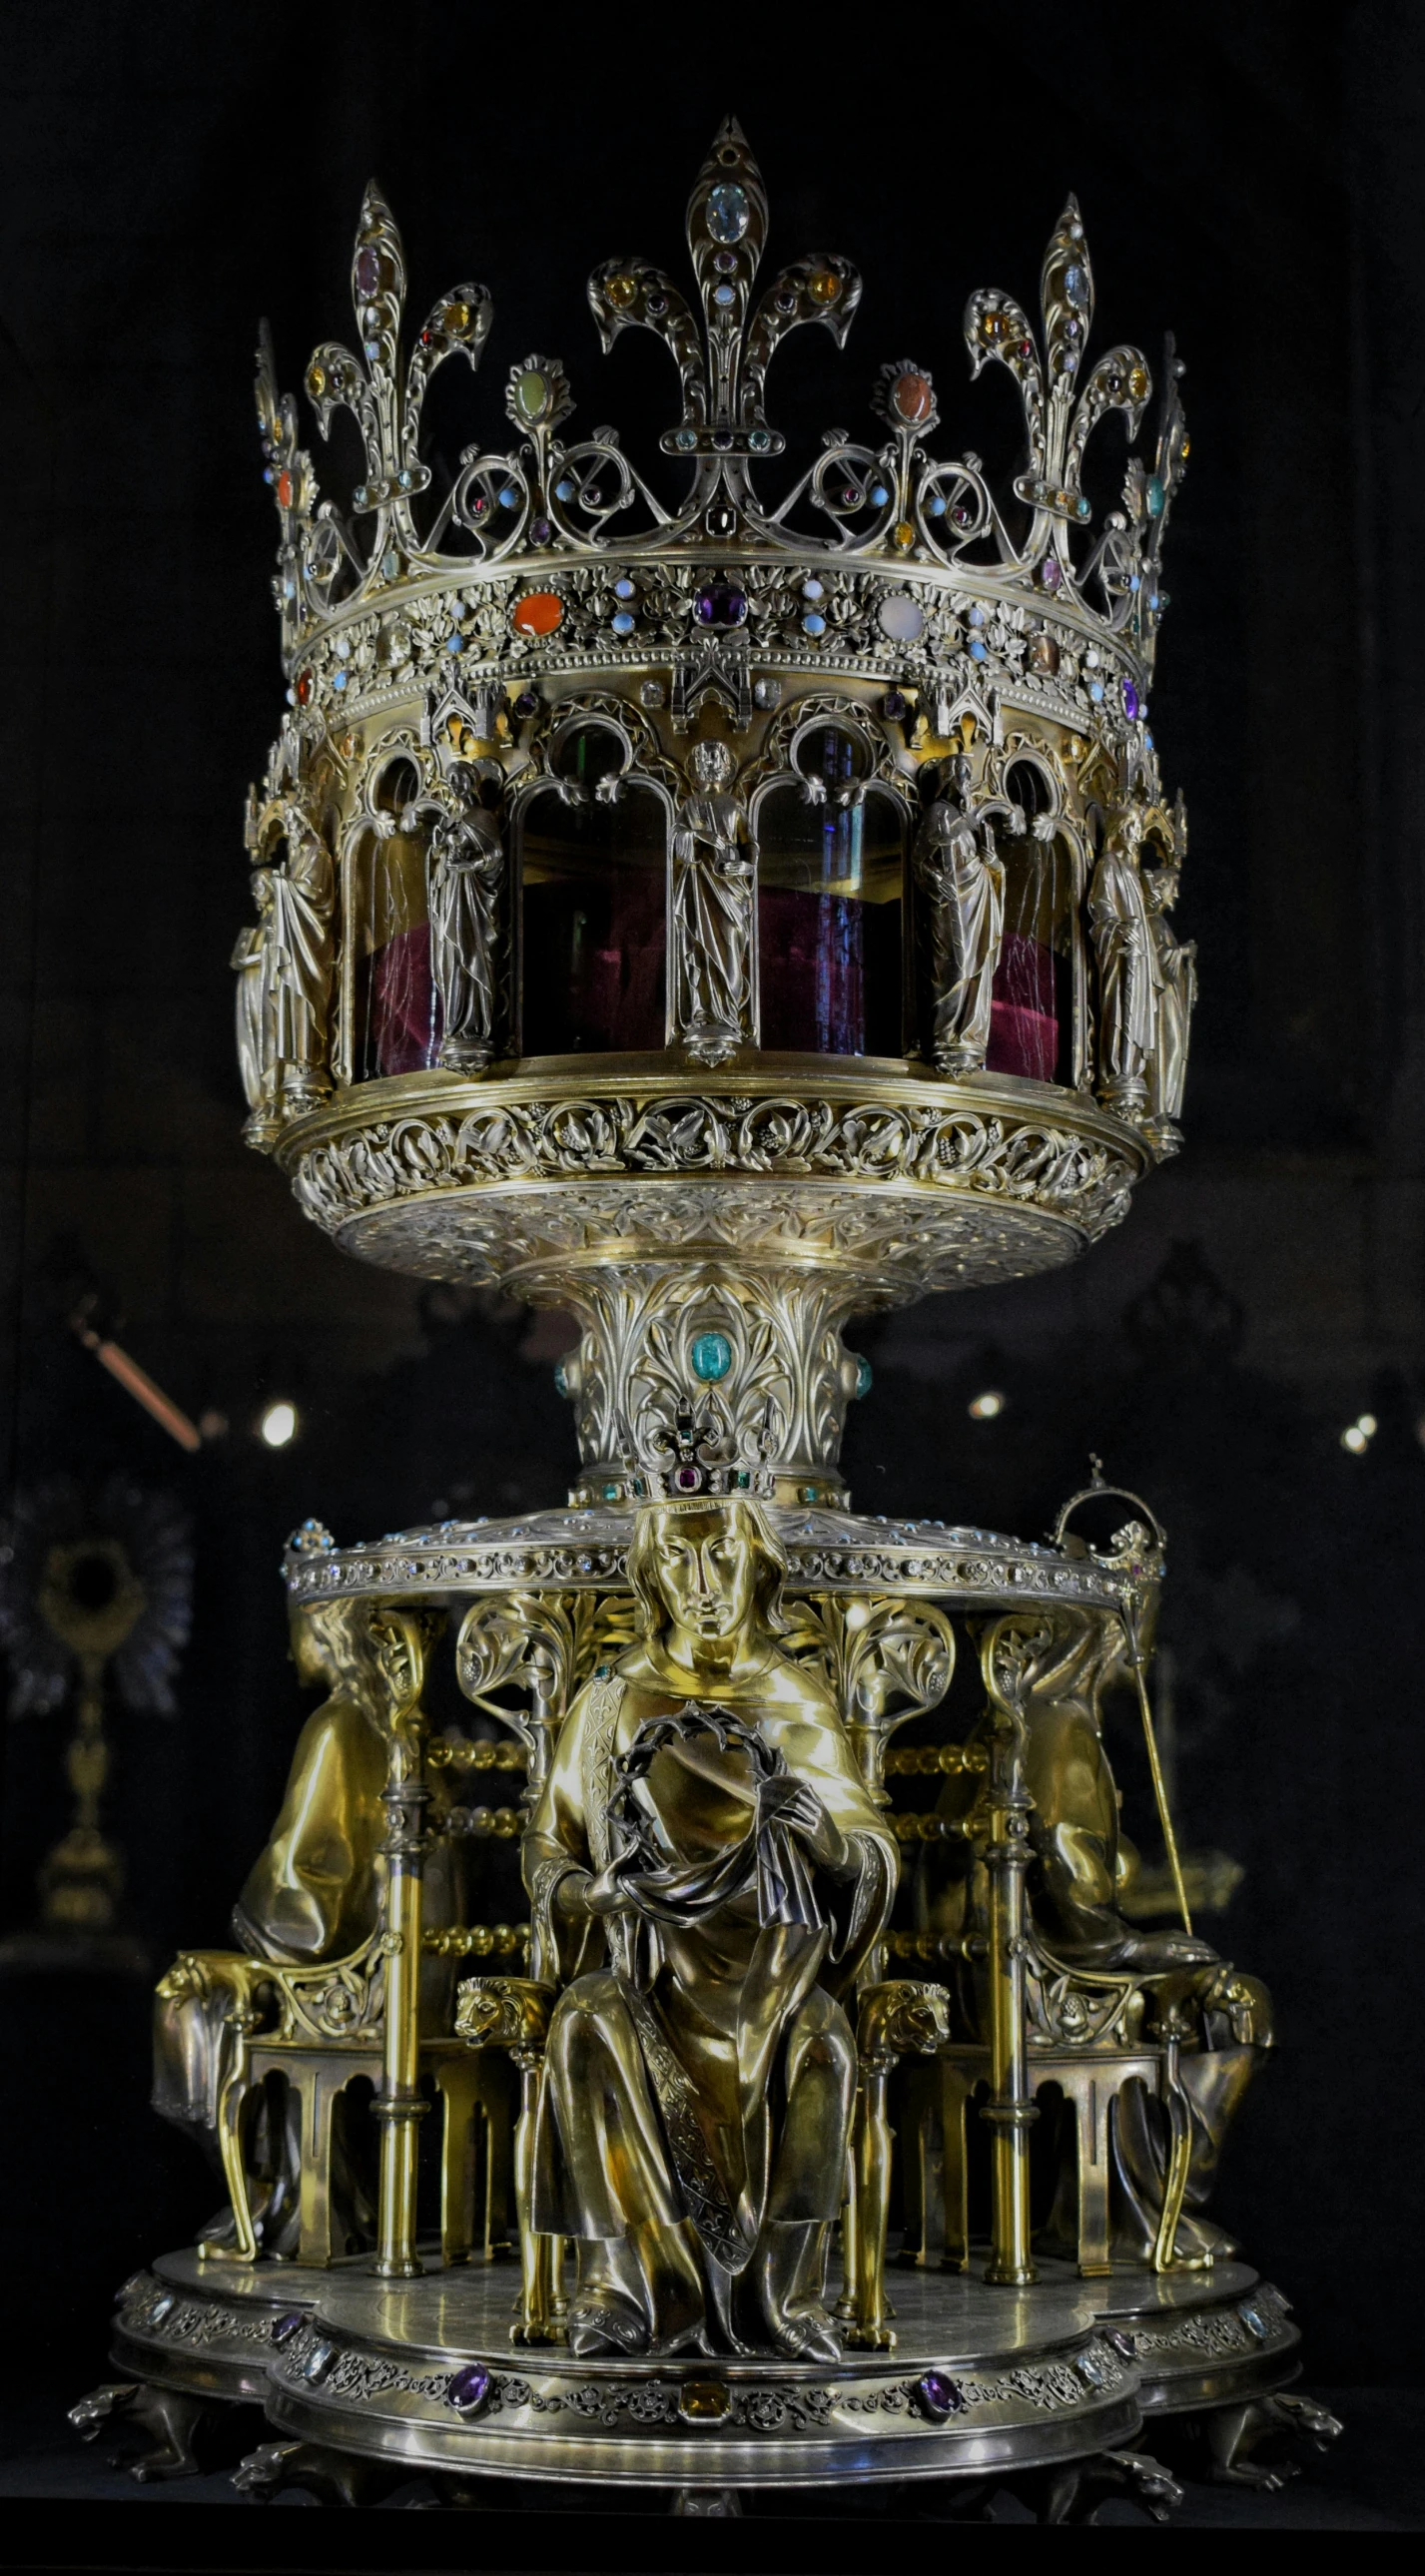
[[935, 506], [1076, 286], [390, 563], [1133, 582], [811, 589], [938, 2395], [863, 1376], [283, 2328], [372, 348], [1096, 690], [267, 474], [813, 625], [509, 500], [623, 624], [980, 652], [686, 438], [611, 1493], [339, 679], [564, 491], [728, 212], [453, 643], [711, 1356], [724, 295], [1155, 497], [977, 617], [760, 439], [1081, 507], [623, 588], [469, 2387], [561, 1381]]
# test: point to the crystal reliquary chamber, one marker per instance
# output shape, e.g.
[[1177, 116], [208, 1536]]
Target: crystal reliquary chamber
[[721, 910]]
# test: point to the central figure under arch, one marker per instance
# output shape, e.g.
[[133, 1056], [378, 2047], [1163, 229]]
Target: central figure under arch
[[707, 1873]]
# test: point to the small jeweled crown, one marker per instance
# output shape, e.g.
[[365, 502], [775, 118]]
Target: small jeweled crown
[[880, 558], [696, 1459]]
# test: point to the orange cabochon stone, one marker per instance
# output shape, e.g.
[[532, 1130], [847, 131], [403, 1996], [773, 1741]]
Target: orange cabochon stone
[[538, 613]]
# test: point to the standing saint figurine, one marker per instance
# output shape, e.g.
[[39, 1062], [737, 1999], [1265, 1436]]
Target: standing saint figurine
[[712, 912], [707, 1875], [1130, 977], [252, 964], [467, 876], [303, 895], [1177, 996], [961, 883]]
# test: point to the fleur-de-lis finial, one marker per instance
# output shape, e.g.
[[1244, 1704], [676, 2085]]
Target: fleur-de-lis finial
[[1061, 404], [382, 390], [722, 365]]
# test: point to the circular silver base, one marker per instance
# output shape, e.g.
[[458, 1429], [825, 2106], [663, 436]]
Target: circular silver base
[[979, 2379]]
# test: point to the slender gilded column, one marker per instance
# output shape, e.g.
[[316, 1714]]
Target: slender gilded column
[[405, 1798], [1010, 2110]]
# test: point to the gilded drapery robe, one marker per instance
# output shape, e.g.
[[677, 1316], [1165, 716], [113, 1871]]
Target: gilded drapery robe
[[303, 893], [695, 2115], [712, 904], [1129, 977], [467, 867], [963, 889]]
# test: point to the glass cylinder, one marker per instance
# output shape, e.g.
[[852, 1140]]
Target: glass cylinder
[[830, 866], [594, 902]]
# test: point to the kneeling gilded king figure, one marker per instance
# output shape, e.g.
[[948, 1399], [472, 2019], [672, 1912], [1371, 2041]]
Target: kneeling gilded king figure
[[706, 1873]]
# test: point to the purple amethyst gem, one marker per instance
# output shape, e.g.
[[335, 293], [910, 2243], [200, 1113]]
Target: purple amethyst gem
[[540, 532], [720, 603], [688, 1480], [939, 2396], [283, 2328], [1131, 703], [1050, 574], [368, 272], [469, 2387]]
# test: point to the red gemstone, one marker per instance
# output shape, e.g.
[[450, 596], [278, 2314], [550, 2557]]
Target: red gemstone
[[284, 489], [304, 687], [538, 612], [913, 397], [368, 271]]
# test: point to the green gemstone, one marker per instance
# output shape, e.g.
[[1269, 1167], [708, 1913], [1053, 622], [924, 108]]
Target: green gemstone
[[611, 1493], [742, 1480], [561, 1381], [531, 393], [863, 1376], [808, 1493], [711, 1356]]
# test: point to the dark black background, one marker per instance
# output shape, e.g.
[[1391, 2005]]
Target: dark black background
[[1251, 177]]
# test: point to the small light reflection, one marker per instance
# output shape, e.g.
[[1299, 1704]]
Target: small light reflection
[[983, 1408], [1358, 1435], [278, 1424]]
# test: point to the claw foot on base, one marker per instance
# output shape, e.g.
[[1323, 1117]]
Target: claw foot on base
[[174, 2425], [1077, 2491], [708, 2503], [1234, 2434], [331, 2477]]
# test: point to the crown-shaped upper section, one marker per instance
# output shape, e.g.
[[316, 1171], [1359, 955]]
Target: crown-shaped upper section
[[892, 507]]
